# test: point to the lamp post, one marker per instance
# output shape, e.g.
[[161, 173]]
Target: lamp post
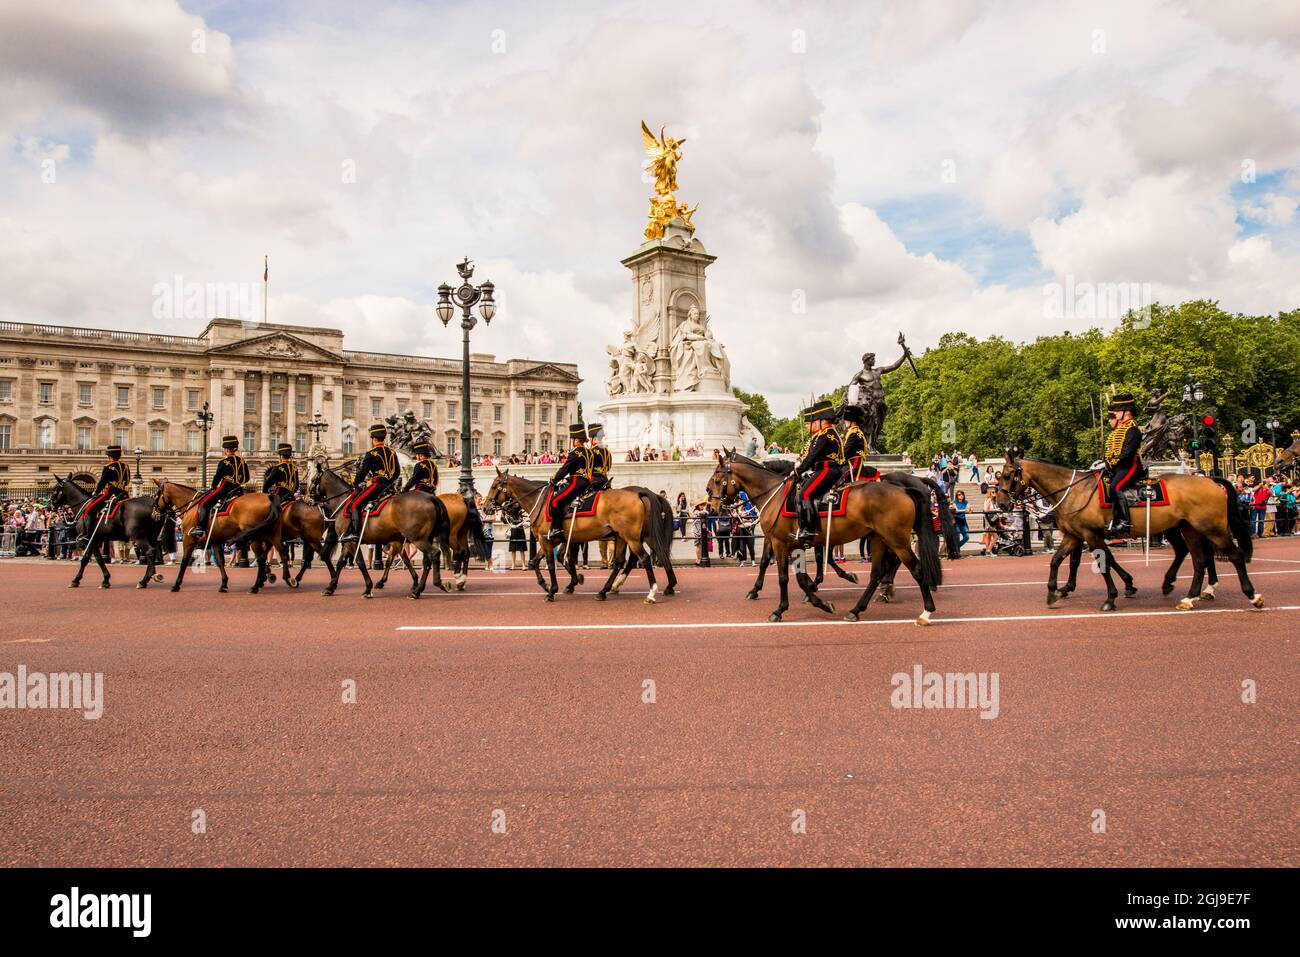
[[1273, 424], [204, 420], [1192, 396], [137, 483], [466, 295]]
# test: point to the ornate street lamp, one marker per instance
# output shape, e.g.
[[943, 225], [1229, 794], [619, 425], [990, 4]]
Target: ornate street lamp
[[204, 421], [138, 487], [1192, 396], [1273, 424], [466, 295]]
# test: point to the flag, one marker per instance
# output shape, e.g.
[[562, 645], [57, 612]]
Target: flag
[[266, 269]]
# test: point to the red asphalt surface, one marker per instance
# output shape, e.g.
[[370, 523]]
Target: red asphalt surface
[[532, 712]]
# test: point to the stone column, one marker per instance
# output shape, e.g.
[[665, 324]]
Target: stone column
[[264, 436], [239, 410], [317, 401], [214, 405], [291, 413]]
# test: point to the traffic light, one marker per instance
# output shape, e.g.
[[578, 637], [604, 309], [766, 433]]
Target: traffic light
[[1209, 434]]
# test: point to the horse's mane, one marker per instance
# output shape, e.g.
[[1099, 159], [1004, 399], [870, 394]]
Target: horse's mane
[[775, 466]]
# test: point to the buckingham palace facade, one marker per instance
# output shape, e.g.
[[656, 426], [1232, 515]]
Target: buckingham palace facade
[[67, 392]]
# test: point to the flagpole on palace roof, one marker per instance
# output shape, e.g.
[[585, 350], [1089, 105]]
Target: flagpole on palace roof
[[266, 283]]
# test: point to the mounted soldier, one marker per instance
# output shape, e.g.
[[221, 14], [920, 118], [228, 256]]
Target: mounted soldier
[[570, 481], [1124, 468], [601, 459], [855, 445], [114, 484], [376, 475], [820, 467], [424, 476], [227, 483], [281, 480]]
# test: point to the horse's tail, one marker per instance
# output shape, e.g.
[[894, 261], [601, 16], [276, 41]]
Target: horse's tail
[[261, 529], [1237, 523], [947, 523], [442, 525], [659, 522], [927, 542], [474, 521]]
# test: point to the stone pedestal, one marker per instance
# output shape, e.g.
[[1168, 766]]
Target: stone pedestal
[[670, 380]]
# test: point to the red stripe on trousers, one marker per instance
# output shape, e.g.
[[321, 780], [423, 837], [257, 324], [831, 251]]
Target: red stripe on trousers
[[813, 484]]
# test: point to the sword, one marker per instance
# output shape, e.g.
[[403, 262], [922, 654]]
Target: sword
[[907, 354]]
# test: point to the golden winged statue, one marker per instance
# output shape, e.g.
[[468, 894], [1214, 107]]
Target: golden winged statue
[[664, 152]]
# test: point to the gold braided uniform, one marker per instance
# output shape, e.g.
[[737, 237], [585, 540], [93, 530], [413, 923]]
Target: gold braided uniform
[[424, 478]]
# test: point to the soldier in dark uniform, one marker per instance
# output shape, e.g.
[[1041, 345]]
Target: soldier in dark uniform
[[1124, 468], [424, 477], [820, 467], [227, 483], [570, 481], [855, 445], [281, 480], [114, 483], [601, 459], [377, 473]]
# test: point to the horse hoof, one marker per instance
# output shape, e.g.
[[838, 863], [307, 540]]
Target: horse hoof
[[924, 619], [1185, 605], [600, 596], [74, 584], [291, 582], [105, 585], [670, 590], [615, 589], [1208, 593], [253, 591], [367, 595], [852, 577], [1130, 592], [581, 579], [413, 595], [649, 600], [157, 578], [830, 608], [1258, 600], [550, 597], [176, 587], [1166, 589], [460, 586], [751, 596], [884, 599], [270, 578], [327, 592], [141, 584], [774, 617], [223, 589], [1052, 599], [851, 616], [806, 599], [1108, 605]]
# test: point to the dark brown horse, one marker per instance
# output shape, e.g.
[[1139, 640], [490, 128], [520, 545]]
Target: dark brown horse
[[134, 520], [405, 517], [466, 531], [886, 512], [1204, 510], [637, 517], [225, 524]]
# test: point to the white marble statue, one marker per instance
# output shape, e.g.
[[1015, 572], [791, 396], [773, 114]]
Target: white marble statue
[[631, 369], [696, 355]]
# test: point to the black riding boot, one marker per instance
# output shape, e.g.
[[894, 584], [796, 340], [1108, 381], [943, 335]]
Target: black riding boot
[[353, 533], [201, 522], [1120, 524], [807, 522]]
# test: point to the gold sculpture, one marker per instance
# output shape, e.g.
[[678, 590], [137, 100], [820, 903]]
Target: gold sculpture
[[664, 153]]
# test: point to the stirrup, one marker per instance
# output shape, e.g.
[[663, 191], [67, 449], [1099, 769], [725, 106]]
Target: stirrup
[[196, 532]]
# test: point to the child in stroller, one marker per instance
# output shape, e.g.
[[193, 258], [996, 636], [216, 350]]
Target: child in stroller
[[1010, 538]]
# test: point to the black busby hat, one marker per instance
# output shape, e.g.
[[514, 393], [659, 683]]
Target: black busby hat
[[114, 451], [422, 448], [819, 410], [853, 413], [284, 448], [577, 431], [378, 431], [594, 429], [1122, 402], [230, 442]]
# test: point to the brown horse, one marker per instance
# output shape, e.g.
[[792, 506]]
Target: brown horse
[[1289, 455], [634, 516], [1204, 510], [887, 512], [225, 524], [405, 517], [466, 530]]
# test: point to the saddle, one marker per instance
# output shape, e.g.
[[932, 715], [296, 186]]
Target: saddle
[[1150, 492], [115, 508], [833, 502], [377, 507], [584, 505]]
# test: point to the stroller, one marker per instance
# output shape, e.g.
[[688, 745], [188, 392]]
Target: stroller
[[1010, 539]]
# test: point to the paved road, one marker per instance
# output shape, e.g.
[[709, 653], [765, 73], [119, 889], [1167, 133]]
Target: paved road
[[232, 705]]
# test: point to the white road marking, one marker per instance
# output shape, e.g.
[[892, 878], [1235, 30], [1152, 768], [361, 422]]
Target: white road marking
[[697, 625]]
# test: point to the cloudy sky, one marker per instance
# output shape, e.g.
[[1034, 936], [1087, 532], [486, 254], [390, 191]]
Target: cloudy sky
[[921, 165]]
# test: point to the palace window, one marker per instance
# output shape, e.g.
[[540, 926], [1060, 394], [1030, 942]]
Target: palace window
[[157, 439], [85, 393], [276, 438], [473, 411], [250, 439], [546, 442], [192, 440], [302, 403], [277, 401], [83, 438], [45, 435], [349, 441], [452, 408], [6, 390], [6, 433], [428, 410], [250, 400], [300, 440], [473, 445], [376, 407], [498, 412], [192, 399], [159, 397], [546, 414], [528, 445], [496, 448], [122, 436], [349, 407], [528, 415], [402, 404], [123, 396], [46, 393]]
